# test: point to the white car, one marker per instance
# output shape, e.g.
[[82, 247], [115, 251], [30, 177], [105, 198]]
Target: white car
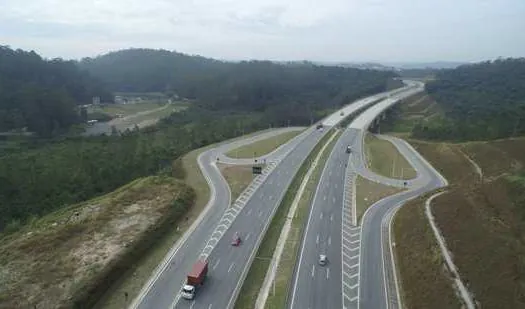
[[322, 260]]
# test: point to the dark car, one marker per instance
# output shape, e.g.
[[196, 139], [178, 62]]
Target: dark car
[[319, 126], [348, 149]]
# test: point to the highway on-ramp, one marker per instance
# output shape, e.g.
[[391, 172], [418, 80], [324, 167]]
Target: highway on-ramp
[[330, 229], [211, 235]]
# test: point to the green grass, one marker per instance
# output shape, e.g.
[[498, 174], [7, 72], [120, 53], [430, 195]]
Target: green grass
[[286, 266], [262, 147], [369, 192], [259, 267], [384, 159], [238, 177]]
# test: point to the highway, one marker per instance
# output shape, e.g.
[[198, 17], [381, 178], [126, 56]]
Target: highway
[[353, 275], [210, 236]]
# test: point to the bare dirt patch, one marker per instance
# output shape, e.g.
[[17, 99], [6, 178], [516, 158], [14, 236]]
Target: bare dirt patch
[[57, 259]]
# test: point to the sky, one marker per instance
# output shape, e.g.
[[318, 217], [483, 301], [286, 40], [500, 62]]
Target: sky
[[328, 30]]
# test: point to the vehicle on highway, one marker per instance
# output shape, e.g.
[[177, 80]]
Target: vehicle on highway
[[323, 260], [348, 149], [342, 113], [236, 241], [195, 279], [319, 126]]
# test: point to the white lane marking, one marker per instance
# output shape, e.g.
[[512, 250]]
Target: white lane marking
[[249, 212], [260, 214], [324, 198], [270, 198], [336, 186], [330, 173], [333, 200], [317, 239], [210, 306], [247, 236], [313, 269], [356, 234], [327, 273], [231, 266], [354, 275], [216, 264], [329, 240], [332, 217], [192, 304], [353, 298], [320, 215], [355, 241]]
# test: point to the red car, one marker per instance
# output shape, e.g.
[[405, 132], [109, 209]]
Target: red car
[[236, 240]]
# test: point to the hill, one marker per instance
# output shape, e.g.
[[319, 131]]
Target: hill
[[42, 95], [479, 101], [261, 86]]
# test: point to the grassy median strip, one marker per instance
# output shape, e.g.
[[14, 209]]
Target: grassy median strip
[[384, 159], [259, 267], [262, 147], [368, 192]]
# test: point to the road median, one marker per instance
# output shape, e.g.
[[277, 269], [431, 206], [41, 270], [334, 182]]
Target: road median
[[263, 261]]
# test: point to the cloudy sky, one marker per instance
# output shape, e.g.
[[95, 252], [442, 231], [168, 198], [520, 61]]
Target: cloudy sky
[[327, 30]]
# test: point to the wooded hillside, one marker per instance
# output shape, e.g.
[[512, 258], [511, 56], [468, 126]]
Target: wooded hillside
[[480, 101], [42, 95]]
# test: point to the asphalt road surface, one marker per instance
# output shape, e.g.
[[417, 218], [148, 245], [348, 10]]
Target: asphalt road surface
[[211, 235], [359, 273]]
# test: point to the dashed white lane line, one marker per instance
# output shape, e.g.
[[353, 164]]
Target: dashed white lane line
[[333, 200], [270, 197], [247, 236], [335, 186], [260, 214], [230, 268], [210, 306], [332, 217], [249, 212], [327, 273], [313, 269], [216, 264], [324, 198], [320, 215], [329, 240], [317, 239]]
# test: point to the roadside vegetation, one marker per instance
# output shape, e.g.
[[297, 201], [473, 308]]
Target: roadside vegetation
[[70, 257], [482, 222], [262, 147], [384, 159], [259, 267], [368, 192]]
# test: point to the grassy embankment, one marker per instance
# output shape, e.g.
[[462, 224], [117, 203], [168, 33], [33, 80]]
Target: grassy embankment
[[262, 147]]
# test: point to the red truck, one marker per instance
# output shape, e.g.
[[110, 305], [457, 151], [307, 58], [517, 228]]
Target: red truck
[[195, 279]]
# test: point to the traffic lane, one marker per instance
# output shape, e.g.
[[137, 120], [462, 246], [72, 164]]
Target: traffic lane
[[302, 292], [372, 282], [323, 233], [221, 295], [162, 291]]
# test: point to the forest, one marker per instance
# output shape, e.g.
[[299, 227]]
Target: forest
[[43, 95], [49, 171], [480, 102]]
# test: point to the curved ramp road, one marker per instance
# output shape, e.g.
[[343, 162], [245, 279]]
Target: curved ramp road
[[330, 229], [211, 234], [164, 285]]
